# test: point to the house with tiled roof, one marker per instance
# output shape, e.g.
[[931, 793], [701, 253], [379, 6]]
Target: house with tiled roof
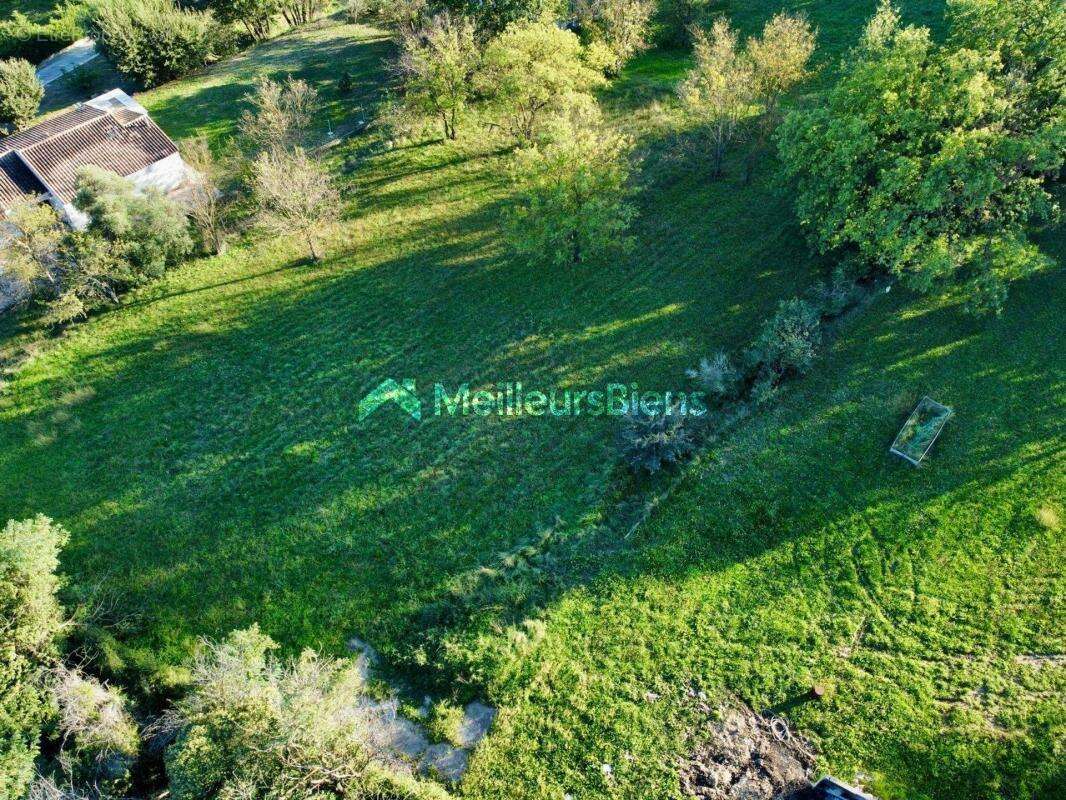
[[112, 131]]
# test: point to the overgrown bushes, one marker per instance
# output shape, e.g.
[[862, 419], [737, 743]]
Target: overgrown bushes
[[735, 385], [131, 238], [154, 41], [22, 37], [29, 555], [145, 230], [255, 726]]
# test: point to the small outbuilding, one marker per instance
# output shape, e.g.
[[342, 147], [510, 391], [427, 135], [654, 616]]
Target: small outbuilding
[[112, 131]]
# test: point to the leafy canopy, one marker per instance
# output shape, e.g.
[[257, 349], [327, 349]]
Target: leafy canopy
[[20, 93], [915, 162], [30, 621], [532, 71]]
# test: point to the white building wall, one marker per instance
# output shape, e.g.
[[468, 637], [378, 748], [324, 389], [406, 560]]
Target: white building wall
[[165, 175]]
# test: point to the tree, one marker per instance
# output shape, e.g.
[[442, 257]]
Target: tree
[[31, 621], [146, 230], [534, 70], [779, 58], [281, 114], [720, 89], [437, 67], [204, 201], [255, 15], [571, 197], [20, 93], [913, 163], [255, 726], [494, 16], [294, 195], [69, 271], [1029, 36], [300, 12], [621, 26]]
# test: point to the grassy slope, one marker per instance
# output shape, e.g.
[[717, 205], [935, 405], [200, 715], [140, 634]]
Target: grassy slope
[[203, 446], [801, 552], [202, 442]]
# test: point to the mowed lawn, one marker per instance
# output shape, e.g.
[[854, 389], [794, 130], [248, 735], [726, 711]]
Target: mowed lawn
[[930, 602], [203, 445]]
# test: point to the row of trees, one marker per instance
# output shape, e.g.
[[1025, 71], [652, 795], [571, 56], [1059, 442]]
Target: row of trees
[[249, 724], [931, 161]]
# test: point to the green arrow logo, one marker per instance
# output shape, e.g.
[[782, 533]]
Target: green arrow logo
[[389, 391]]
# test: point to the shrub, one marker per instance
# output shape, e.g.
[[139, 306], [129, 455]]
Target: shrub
[[99, 739], [652, 442], [32, 619], [788, 342], [147, 231], [155, 41], [20, 93], [254, 726], [716, 375], [928, 161], [835, 297]]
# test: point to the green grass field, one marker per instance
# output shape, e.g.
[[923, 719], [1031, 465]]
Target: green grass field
[[203, 445]]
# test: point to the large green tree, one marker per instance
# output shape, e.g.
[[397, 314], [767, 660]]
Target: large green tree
[[146, 230], [570, 204], [913, 162], [532, 72]]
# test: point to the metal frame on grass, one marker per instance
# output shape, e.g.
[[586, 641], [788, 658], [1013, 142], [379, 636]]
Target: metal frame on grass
[[925, 404]]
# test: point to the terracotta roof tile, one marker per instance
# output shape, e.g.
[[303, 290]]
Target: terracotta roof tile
[[121, 140], [105, 143]]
